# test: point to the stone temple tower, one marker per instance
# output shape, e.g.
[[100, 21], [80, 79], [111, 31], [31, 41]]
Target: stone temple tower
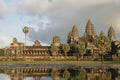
[[89, 31], [73, 36], [56, 41], [111, 34], [74, 33], [102, 33]]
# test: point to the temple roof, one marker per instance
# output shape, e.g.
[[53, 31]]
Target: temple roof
[[102, 33], [111, 33], [74, 31], [89, 24], [89, 28]]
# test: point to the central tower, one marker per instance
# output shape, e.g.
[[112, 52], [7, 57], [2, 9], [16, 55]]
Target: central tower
[[89, 31], [73, 35]]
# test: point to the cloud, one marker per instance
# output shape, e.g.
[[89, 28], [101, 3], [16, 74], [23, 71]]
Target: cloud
[[61, 15], [5, 40], [33, 7], [3, 9]]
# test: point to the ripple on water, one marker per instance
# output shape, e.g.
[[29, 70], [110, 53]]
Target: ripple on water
[[28, 78]]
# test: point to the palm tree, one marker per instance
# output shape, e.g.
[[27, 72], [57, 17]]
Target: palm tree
[[81, 75], [65, 48], [66, 74], [104, 45], [54, 49], [54, 73], [80, 48], [109, 75]]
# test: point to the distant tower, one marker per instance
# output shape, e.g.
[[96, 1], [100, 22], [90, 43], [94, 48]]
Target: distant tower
[[89, 31], [36, 43], [73, 36], [102, 33], [15, 40], [111, 34], [56, 41], [75, 33], [69, 37]]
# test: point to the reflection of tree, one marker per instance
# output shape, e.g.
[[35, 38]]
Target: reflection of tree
[[81, 75], [109, 75], [102, 76], [118, 78], [54, 73], [66, 74], [106, 76]]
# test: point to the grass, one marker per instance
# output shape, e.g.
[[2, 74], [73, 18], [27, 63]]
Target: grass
[[56, 62]]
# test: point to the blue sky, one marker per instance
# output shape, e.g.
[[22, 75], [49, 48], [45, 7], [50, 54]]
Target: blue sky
[[47, 18]]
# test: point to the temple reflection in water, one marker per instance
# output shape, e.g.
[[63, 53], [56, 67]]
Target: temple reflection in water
[[79, 73]]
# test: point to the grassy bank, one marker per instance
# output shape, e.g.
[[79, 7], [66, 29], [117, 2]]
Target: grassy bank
[[56, 62], [47, 62]]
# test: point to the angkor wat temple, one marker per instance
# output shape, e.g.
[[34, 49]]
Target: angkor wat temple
[[95, 46]]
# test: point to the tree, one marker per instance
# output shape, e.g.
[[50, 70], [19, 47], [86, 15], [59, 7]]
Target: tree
[[81, 75], [66, 74], [54, 49], [106, 76], [54, 73], [2, 52], [80, 48], [109, 75], [103, 44], [65, 48]]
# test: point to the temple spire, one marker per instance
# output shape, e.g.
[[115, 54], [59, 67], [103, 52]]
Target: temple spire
[[69, 34], [75, 31], [102, 33], [90, 28], [85, 35], [73, 35], [111, 34]]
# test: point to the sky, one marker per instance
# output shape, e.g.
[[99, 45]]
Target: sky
[[48, 18]]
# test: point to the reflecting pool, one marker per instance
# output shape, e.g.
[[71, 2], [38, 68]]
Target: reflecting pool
[[60, 73]]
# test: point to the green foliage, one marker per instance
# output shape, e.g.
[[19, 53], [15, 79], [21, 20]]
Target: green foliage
[[103, 43], [80, 48], [65, 48], [109, 75], [66, 74], [1, 52], [81, 75], [2, 70], [54, 73], [54, 49]]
